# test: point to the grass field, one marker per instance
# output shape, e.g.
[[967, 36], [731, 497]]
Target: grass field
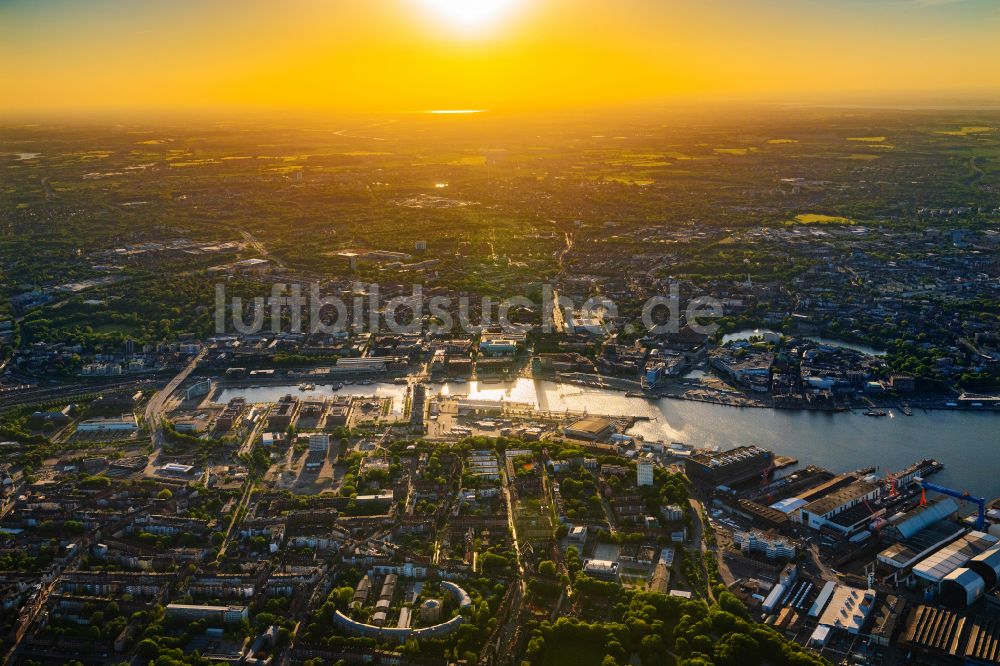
[[817, 218]]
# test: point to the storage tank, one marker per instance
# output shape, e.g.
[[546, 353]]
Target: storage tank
[[962, 588], [987, 565]]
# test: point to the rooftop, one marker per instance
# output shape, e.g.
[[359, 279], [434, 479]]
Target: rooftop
[[904, 553], [839, 498], [593, 425], [848, 609], [941, 563], [730, 457]]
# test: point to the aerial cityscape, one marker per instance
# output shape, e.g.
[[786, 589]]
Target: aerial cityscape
[[502, 332]]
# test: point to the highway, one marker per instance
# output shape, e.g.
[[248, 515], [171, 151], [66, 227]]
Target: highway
[[158, 403]]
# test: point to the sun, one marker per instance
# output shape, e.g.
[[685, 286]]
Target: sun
[[469, 15]]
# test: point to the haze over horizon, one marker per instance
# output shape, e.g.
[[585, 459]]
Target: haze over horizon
[[509, 55]]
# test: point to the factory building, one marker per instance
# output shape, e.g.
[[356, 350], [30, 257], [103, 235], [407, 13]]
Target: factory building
[[987, 565], [836, 510], [727, 468], [944, 636], [934, 568], [909, 524], [967, 584], [848, 609], [962, 588], [922, 532]]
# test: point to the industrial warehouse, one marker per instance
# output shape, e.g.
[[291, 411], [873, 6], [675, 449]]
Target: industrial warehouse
[[859, 563]]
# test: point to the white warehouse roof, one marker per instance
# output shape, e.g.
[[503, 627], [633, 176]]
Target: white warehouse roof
[[789, 505], [941, 563]]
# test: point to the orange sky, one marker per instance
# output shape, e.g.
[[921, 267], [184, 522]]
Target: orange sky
[[397, 55]]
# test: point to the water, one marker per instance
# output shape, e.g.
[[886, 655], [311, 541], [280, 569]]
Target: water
[[965, 442], [750, 332], [274, 392]]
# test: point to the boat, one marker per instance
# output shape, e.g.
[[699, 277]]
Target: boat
[[367, 382], [876, 412], [905, 408], [348, 381], [307, 387]]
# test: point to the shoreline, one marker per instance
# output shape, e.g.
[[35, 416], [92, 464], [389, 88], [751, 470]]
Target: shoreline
[[633, 389], [599, 382]]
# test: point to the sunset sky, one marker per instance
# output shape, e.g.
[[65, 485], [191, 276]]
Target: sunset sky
[[400, 55]]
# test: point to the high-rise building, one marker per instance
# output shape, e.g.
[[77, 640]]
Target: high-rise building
[[644, 474]]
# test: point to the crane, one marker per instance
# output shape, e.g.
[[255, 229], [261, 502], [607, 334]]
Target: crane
[[959, 495]]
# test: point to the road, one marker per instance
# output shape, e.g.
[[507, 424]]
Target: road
[[245, 449], [237, 511], [156, 406], [821, 566], [561, 257], [558, 321], [352, 133], [699, 538], [513, 527], [257, 245]]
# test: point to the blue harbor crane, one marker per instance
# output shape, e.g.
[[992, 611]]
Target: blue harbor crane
[[962, 496]]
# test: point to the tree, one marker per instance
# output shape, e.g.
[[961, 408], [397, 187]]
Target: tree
[[165, 494], [148, 648], [547, 568], [342, 597]]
